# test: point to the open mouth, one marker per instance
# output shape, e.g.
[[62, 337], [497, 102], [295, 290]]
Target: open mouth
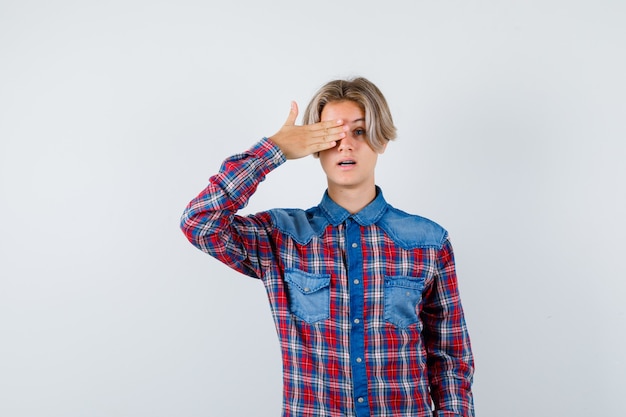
[[346, 163]]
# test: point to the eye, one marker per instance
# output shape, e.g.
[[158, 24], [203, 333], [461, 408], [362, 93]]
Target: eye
[[359, 132]]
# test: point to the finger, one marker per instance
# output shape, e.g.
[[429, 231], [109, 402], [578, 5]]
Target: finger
[[327, 124], [335, 137], [293, 114], [327, 141], [322, 146], [321, 126], [330, 131]]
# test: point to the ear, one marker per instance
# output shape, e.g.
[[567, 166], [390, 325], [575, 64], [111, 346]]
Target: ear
[[383, 148]]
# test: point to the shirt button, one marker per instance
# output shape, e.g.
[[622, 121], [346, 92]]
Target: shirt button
[[307, 289], [354, 245], [359, 360], [357, 321], [360, 399], [356, 281]]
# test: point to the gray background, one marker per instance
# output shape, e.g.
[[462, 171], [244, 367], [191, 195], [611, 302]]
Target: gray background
[[114, 114]]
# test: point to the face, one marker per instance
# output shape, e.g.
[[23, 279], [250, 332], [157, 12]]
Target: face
[[350, 164]]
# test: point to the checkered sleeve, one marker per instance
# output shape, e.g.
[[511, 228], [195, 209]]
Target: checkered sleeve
[[449, 356], [210, 221]]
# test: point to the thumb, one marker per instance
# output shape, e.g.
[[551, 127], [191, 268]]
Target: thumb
[[293, 114]]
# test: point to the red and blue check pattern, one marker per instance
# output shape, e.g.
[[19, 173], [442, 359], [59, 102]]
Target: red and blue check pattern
[[366, 306]]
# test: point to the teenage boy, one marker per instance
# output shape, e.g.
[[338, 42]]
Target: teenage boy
[[364, 296]]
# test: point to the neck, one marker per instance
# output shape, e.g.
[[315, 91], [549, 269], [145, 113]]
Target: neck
[[352, 199]]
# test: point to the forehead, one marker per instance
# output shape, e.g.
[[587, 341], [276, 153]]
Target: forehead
[[348, 111]]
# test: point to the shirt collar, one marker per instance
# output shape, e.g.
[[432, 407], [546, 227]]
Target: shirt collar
[[367, 216]]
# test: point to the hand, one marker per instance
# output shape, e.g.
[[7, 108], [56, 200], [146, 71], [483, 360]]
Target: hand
[[299, 141]]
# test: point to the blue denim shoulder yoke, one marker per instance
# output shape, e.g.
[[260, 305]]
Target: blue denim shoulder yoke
[[406, 230]]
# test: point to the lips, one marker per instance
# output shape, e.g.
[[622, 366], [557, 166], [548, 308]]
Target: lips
[[346, 162]]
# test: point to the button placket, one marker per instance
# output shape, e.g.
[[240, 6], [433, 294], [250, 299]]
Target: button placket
[[357, 330]]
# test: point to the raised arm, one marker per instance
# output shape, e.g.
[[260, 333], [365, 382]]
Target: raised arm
[[210, 221]]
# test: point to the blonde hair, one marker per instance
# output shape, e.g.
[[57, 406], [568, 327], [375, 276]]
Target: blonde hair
[[378, 121]]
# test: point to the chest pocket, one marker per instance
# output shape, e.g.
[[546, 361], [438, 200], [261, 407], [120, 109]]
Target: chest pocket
[[309, 295], [402, 296]]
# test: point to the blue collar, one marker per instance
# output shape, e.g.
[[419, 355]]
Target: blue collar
[[370, 214]]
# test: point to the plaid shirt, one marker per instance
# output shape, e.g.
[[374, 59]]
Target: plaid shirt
[[366, 305]]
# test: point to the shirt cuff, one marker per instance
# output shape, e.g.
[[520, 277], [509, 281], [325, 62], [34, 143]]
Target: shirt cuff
[[266, 150]]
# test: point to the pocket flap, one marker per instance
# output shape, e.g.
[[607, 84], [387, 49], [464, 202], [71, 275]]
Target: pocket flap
[[405, 282], [306, 282]]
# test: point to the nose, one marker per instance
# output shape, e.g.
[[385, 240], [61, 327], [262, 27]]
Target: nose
[[347, 143]]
